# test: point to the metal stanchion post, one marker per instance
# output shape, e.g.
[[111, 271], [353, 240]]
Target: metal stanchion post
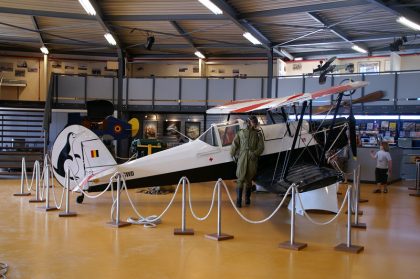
[[37, 180], [118, 223], [292, 245], [358, 186], [348, 247], [219, 235], [22, 181], [355, 188], [183, 230], [47, 206], [67, 212], [417, 194], [356, 223]]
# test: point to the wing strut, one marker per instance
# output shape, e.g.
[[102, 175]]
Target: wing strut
[[330, 134], [297, 133], [283, 112]]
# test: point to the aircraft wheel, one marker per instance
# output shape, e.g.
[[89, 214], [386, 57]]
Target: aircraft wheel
[[80, 199]]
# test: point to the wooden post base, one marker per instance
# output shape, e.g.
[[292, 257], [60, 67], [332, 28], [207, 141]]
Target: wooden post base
[[22, 194], [69, 214], [118, 224], [363, 200], [183, 232], [415, 195], [35, 200], [355, 249], [297, 246], [219, 237], [359, 225], [412, 188]]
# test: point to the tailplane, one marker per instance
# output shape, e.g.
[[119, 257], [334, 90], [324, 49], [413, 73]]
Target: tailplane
[[82, 151]]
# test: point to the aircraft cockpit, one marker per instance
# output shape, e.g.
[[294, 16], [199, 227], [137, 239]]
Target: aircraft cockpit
[[221, 134]]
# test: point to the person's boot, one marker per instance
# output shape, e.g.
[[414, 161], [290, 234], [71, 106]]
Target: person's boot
[[239, 197], [248, 196]]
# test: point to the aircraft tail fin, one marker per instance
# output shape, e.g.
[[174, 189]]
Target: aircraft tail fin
[[81, 150]]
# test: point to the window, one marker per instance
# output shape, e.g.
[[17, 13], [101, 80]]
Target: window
[[228, 133], [209, 137]]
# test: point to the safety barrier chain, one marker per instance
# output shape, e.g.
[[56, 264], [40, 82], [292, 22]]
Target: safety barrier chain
[[332, 219]]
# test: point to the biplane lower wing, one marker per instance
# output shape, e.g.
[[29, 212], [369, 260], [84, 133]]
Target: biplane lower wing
[[247, 106]]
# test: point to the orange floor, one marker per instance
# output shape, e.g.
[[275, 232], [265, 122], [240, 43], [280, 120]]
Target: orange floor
[[36, 244]]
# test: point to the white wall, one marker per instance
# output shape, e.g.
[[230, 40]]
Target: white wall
[[410, 62]]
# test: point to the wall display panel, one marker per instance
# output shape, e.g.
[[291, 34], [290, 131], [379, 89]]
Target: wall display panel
[[116, 90], [99, 88], [408, 88], [193, 92], [220, 90], [71, 89], [289, 86], [140, 91], [384, 82], [166, 91], [345, 78], [250, 88], [273, 88], [312, 85]]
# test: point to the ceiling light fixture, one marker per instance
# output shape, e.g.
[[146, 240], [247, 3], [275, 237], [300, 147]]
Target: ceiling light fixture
[[44, 50], [251, 38], [88, 7], [110, 39], [359, 49], [199, 55], [408, 23], [211, 6]]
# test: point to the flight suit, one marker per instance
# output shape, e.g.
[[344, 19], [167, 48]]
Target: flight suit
[[247, 146]]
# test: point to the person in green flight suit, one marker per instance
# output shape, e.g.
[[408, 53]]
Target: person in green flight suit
[[247, 146]]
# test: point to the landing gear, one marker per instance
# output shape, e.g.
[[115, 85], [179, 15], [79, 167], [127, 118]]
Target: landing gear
[[80, 199]]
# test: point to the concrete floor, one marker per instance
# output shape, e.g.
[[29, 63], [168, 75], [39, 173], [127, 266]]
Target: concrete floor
[[37, 244]]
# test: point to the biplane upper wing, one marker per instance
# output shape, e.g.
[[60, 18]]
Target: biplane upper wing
[[246, 106]]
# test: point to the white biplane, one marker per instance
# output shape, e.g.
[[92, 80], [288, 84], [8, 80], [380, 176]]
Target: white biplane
[[295, 150]]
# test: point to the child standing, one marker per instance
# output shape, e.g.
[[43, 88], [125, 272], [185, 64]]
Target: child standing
[[383, 166]]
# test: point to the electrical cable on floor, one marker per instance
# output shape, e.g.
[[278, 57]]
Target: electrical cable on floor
[[3, 270]]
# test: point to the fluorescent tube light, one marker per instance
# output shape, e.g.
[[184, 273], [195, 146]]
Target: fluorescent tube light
[[251, 38], [377, 117], [199, 54], [44, 50], [298, 58], [110, 39], [88, 7], [211, 6], [410, 117], [408, 23], [358, 49]]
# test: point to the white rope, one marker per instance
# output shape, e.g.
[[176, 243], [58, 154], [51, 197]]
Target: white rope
[[190, 204], [149, 221], [251, 221], [330, 221], [4, 267], [78, 188], [53, 189]]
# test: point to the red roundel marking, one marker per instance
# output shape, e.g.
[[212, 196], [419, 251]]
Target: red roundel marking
[[210, 159], [117, 129]]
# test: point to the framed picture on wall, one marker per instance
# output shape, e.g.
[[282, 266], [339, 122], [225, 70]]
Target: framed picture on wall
[[171, 128], [192, 129], [149, 129], [369, 67]]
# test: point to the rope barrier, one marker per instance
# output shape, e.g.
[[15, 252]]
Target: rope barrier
[[330, 221], [149, 221], [259, 221], [190, 204]]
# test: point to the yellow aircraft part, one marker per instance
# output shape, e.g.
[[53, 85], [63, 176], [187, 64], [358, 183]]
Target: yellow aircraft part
[[135, 126]]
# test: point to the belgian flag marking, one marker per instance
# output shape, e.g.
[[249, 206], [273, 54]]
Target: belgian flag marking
[[94, 153]]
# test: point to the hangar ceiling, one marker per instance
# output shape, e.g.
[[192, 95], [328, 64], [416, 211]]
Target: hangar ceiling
[[306, 28]]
